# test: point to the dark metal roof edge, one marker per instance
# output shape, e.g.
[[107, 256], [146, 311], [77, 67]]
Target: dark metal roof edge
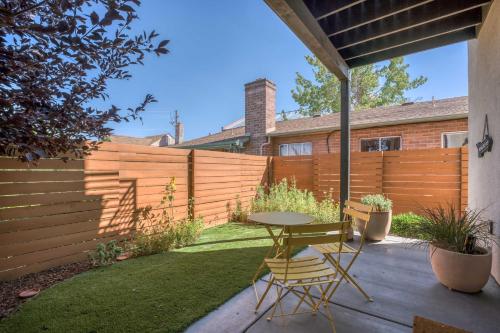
[[212, 144]]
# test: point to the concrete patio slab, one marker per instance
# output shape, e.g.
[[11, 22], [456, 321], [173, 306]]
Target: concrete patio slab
[[346, 320], [235, 315], [396, 274], [400, 279]]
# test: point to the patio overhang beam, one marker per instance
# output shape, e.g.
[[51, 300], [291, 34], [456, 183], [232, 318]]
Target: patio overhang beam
[[333, 7], [383, 29], [362, 14], [297, 16], [413, 18]]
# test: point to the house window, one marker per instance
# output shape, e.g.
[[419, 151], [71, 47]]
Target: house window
[[296, 149], [453, 139], [381, 144]]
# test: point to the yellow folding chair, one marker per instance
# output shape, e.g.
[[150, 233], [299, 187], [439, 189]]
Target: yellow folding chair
[[300, 275], [352, 210]]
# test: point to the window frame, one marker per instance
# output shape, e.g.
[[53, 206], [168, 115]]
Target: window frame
[[295, 143], [454, 132], [380, 141]]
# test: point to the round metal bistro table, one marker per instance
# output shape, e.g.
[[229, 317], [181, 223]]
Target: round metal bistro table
[[279, 219], [270, 220], [283, 219]]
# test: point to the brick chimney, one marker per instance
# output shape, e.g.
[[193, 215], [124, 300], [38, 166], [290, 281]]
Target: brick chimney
[[179, 133], [260, 113]]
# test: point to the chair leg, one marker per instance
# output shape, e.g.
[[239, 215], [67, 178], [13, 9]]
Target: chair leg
[[263, 263], [302, 297], [347, 277], [279, 291], [329, 316], [350, 279], [311, 299], [259, 303], [301, 300]]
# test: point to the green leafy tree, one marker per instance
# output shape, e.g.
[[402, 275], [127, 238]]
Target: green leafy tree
[[371, 86]]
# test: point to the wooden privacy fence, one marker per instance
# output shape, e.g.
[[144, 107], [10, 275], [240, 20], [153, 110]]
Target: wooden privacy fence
[[412, 179], [221, 180], [55, 212]]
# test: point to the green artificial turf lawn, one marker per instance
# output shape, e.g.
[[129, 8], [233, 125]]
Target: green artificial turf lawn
[[158, 293]]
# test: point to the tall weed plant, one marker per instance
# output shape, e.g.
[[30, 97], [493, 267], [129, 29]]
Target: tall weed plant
[[159, 232], [286, 197]]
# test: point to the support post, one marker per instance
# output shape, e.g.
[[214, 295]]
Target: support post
[[344, 143], [190, 181]]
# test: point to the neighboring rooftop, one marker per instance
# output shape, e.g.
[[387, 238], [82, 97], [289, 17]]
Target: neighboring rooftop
[[436, 110], [229, 134], [159, 140]]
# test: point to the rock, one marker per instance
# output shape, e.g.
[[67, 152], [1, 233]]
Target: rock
[[124, 256], [29, 293]]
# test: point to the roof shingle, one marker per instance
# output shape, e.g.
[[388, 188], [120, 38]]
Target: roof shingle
[[449, 108]]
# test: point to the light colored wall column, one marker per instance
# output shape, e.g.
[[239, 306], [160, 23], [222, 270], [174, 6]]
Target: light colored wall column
[[484, 98]]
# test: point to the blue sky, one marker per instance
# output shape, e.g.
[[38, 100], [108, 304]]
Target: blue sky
[[219, 45]]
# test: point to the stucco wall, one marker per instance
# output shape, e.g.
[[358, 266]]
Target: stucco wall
[[484, 98]]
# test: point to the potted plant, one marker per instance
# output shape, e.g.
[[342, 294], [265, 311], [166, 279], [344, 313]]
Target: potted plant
[[380, 218], [459, 247]]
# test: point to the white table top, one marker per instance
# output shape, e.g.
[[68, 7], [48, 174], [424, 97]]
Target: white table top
[[281, 218]]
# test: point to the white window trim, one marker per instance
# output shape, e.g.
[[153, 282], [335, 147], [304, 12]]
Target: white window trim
[[454, 132], [295, 143], [280, 147], [383, 137]]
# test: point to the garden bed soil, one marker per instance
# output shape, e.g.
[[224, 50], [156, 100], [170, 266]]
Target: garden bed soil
[[9, 290]]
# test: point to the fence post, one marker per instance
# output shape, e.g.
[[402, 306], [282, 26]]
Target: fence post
[[464, 177], [190, 183], [269, 174], [315, 176], [382, 174]]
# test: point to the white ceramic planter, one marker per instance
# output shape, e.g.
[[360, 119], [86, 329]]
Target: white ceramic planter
[[378, 226], [458, 271]]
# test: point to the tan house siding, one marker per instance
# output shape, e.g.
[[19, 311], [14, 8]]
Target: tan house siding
[[484, 91], [414, 136]]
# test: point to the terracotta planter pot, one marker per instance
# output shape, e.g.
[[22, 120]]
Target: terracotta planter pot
[[378, 226], [468, 273]]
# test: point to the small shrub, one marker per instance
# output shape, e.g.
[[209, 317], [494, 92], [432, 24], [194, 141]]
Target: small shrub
[[327, 211], [285, 197], [157, 240], [167, 237], [378, 202], [407, 225], [160, 233], [105, 254], [187, 231], [239, 214]]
